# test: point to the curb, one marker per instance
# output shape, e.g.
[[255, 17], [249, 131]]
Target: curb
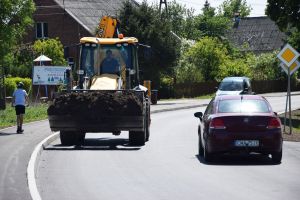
[[32, 165], [178, 108]]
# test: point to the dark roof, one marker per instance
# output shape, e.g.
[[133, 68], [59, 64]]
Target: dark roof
[[261, 35], [89, 12]]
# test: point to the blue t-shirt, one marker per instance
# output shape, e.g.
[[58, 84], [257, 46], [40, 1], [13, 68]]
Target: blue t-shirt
[[109, 66], [20, 97]]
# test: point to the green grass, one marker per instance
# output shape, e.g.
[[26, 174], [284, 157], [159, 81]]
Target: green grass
[[208, 96], [33, 113], [295, 121]]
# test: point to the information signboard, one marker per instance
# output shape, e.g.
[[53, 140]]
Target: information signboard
[[48, 75]]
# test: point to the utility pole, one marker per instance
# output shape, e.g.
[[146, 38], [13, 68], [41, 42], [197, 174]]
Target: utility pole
[[161, 2]]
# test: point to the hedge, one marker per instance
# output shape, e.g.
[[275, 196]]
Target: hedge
[[11, 84]]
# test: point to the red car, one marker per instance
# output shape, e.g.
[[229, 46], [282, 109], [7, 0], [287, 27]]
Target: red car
[[239, 123]]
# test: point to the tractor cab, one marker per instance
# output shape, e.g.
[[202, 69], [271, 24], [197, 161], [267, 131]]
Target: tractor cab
[[112, 58]]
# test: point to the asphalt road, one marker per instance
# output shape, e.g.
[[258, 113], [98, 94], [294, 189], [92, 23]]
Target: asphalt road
[[108, 164], [15, 151], [167, 168]]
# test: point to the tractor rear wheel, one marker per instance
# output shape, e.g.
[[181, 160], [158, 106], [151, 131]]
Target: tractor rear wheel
[[68, 138]]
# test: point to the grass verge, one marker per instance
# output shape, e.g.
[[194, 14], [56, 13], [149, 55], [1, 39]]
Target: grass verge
[[33, 113], [208, 96], [295, 136]]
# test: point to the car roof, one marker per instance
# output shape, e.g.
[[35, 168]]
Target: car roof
[[234, 78], [237, 97]]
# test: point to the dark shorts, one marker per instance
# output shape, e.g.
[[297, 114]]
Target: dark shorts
[[20, 109]]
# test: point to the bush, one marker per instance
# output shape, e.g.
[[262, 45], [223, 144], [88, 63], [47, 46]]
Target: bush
[[11, 84]]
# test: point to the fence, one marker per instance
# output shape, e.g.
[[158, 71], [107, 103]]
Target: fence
[[204, 88]]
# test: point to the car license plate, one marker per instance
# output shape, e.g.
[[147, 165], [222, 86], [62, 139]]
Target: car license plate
[[246, 143]]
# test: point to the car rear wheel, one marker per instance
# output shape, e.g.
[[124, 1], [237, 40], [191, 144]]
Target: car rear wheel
[[208, 157], [200, 147], [276, 157]]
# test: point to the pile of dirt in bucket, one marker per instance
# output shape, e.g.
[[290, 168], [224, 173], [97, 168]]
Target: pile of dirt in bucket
[[96, 104]]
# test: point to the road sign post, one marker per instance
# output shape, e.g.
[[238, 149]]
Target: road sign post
[[288, 55]]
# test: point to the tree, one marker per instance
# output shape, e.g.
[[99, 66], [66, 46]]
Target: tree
[[144, 22], [210, 24], [15, 17], [285, 13], [230, 7], [182, 20], [52, 48], [202, 61], [294, 38], [266, 67]]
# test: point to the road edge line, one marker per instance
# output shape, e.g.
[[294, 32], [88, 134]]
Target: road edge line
[[32, 165]]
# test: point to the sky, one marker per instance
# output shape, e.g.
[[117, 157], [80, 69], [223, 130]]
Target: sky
[[258, 6]]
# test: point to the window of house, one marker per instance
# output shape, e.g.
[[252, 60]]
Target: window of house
[[41, 30]]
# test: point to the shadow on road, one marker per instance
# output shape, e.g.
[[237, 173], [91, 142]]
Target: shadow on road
[[7, 134], [104, 144], [238, 160]]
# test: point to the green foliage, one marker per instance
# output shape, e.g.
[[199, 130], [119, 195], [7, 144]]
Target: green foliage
[[182, 21], [215, 26], [294, 39], [188, 72], [145, 23], [11, 84], [51, 48], [206, 56], [267, 67], [233, 67], [15, 17], [229, 7], [210, 24], [21, 63], [285, 13]]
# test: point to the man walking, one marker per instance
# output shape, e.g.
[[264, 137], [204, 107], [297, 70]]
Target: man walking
[[20, 98]]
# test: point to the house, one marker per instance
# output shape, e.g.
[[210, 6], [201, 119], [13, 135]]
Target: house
[[69, 20], [257, 34]]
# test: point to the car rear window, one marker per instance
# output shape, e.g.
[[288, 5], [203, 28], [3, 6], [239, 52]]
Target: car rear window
[[243, 106], [231, 86]]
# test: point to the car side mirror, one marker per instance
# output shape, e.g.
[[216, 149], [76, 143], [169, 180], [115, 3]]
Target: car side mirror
[[275, 113], [198, 115], [246, 89]]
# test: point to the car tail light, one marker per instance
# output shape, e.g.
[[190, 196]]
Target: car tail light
[[217, 123], [274, 123]]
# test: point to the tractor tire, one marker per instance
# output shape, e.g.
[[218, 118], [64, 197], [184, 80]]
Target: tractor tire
[[147, 131], [80, 138], [148, 121], [68, 138], [138, 138]]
